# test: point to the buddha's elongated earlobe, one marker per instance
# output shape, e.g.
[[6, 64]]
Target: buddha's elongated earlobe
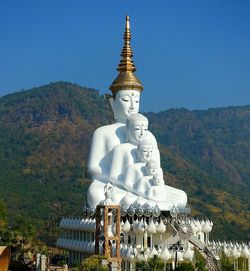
[[127, 139], [111, 102]]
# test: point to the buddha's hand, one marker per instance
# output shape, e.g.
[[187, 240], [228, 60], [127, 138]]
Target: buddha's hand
[[157, 179], [95, 171]]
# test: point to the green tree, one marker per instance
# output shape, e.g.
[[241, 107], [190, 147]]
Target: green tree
[[200, 262], [141, 266], [185, 267], [225, 262], [153, 264], [93, 263], [3, 215]]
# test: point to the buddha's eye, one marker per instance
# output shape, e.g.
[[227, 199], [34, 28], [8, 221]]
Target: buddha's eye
[[125, 99]]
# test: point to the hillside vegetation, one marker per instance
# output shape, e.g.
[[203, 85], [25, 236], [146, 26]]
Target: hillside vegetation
[[45, 135]]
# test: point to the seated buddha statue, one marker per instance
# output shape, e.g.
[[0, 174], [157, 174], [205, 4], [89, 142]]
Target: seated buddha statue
[[151, 184], [106, 138], [105, 161], [126, 154], [137, 170]]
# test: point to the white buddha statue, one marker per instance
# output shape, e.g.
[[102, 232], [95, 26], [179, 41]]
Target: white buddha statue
[[126, 90], [151, 184], [126, 154], [136, 171], [105, 138]]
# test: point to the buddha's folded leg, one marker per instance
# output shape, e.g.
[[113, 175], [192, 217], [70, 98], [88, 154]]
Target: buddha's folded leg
[[155, 193], [118, 194], [96, 193], [175, 196]]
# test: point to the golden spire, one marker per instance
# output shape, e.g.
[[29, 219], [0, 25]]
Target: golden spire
[[126, 78]]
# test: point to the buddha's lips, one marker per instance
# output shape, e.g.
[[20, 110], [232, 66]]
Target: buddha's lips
[[132, 112], [141, 137]]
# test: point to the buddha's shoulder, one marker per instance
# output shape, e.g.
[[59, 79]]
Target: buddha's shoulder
[[124, 146], [136, 166], [106, 130], [152, 138], [150, 135]]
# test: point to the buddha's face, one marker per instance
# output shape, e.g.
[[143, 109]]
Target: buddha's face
[[145, 152], [152, 168], [138, 131], [125, 104]]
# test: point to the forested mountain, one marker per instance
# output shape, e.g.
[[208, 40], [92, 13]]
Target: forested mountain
[[45, 136]]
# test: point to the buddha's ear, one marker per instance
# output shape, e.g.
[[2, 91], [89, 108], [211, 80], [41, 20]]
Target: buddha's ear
[[127, 135], [111, 102]]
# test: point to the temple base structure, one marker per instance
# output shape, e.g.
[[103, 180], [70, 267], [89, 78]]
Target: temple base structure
[[173, 236]]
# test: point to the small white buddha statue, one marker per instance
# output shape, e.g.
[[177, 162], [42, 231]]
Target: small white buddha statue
[[126, 154], [151, 184], [136, 171], [108, 189], [155, 183]]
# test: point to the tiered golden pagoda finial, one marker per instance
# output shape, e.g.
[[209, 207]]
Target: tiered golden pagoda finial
[[126, 78]]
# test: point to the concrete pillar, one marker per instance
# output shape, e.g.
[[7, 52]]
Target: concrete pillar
[[43, 263], [139, 240], [145, 245], [65, 267], [38, 261], [115, 266]]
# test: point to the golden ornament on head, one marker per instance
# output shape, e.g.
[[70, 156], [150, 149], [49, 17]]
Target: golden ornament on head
[[126, 79]]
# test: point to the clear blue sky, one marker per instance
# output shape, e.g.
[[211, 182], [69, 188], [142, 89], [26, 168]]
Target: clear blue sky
[[188, 53]]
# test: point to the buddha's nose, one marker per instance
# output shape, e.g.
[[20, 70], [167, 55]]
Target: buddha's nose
[[132, 105]]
